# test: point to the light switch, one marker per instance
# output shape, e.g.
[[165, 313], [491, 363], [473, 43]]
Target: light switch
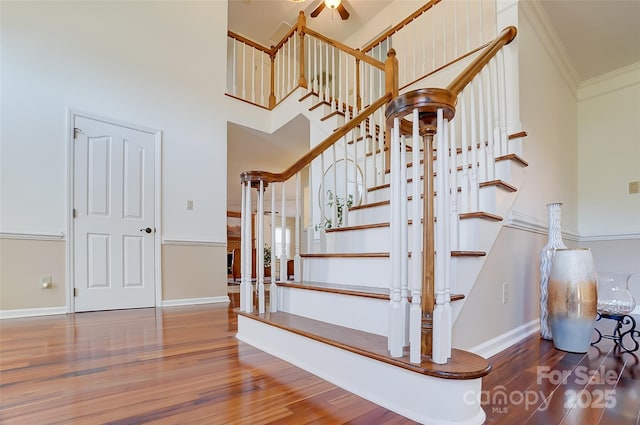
[[634, 187], [189, 205]]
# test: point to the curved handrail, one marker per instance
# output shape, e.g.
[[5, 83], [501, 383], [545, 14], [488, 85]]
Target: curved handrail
[[460, 82], [400, 25], [429, 100], [269, 177], [358, 54]]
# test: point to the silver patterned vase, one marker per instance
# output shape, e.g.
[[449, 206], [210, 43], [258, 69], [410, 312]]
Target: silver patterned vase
[[573, 299], [546, 257]]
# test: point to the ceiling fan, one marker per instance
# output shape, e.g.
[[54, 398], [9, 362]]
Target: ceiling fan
[[333, 5]]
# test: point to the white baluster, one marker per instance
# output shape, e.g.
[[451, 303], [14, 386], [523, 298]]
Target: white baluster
[[485, 163], [464, 125], [246, 262], [260, 248], [395, 314], [495, 100], [253, 75], [404, 243], [297, 259], [241, 259], [334, 207], [296, 72], [262, 59], [244, 67], [504, 137], [345, 209], [234, 83], [454, 189], [283, 234], [475, 203], [440, 325]]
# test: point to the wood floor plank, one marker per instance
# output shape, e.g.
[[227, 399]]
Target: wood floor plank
[[183, 365]]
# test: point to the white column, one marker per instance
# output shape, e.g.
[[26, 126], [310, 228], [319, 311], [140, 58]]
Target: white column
[[260, 248], [395, 314]]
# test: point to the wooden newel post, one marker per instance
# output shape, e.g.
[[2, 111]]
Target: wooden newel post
[[302, 23], [272, 94], [428, 256], [391, 86], [391, 73]]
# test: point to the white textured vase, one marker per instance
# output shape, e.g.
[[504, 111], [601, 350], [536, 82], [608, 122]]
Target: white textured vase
[[573, 299], [546, 257]]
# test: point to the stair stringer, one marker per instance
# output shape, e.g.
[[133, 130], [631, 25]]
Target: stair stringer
[[481, 235], [422, 398]]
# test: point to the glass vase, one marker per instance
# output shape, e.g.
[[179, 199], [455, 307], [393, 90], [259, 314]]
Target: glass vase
[[614, 297], [546, 257]]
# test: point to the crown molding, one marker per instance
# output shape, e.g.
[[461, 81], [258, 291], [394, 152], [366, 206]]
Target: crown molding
[[537, 17], [611, 81]]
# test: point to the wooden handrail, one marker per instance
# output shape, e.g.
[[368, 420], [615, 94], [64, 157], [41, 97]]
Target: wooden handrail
[[460, 82], [284, 39], [249, 42], [354, 52], [399, 26], [268, 177]]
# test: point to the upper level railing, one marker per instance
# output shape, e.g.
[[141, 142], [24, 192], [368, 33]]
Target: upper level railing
[[436, 34]]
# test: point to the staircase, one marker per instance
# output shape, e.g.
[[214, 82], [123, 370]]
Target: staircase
[[405, 199]]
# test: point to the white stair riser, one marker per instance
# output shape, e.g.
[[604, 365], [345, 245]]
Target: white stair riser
[[362, 313], [373, 272], [365, 240], [360, 271]]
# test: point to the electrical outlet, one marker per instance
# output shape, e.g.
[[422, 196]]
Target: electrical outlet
[[505, 292], [46, 282]]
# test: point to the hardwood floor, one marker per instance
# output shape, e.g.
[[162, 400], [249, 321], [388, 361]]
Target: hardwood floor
[[183, 365]]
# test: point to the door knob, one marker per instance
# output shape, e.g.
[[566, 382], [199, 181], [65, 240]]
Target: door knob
[[148, 230]]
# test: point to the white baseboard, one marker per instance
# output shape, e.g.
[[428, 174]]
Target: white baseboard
[[196, 301], [32, 312], [506, 340]]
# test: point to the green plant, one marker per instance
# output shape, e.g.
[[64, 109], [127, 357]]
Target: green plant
[[267, 256], [340, 209]]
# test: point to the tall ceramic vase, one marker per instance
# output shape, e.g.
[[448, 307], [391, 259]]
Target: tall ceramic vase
[[573, 299], [546, 256]]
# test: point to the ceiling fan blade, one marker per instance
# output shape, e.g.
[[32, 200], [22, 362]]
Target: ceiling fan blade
[[317, 10], [344, 14]]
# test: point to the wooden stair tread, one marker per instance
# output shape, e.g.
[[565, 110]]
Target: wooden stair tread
[[462, 365], [513, 157], [480, 214], [311, 93], [336, 288], [319, 104], [356, 227], [353, 290], [371, 205], [468, 253], [518, 135], [332, 114], [347, 255], [499, 184]]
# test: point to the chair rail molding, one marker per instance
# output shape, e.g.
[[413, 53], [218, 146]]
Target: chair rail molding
[[32, 235], [186, 241]]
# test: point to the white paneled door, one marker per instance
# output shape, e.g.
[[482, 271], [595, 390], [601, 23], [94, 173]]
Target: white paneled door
[[114, 227]]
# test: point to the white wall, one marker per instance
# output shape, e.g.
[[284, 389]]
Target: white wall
[[609, 154], [548, 112], [149, 63], [154, 64]]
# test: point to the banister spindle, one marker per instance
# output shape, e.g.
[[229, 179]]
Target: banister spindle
[[395, 314], [404, 244], [273, 292], [475, 203], [244, 67], [283, 234], [296, 258], [260, 248], [415, 312]]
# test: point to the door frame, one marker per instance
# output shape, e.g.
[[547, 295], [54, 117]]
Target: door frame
[[72, 114]]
